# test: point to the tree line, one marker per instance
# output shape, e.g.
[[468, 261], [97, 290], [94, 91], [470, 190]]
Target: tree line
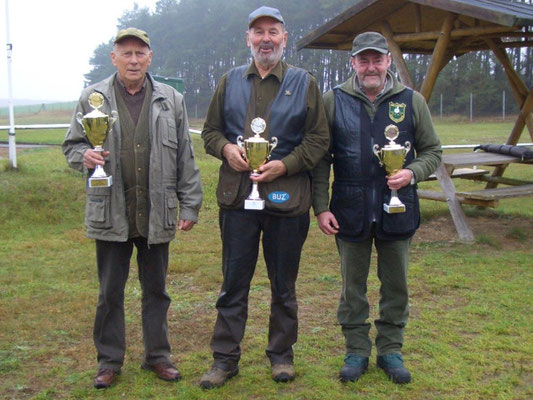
[[199, 40]]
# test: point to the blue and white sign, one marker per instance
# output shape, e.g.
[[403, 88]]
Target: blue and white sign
[[278, 197]]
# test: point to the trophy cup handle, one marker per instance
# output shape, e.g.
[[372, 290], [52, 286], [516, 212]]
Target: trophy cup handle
[[113, 118], [79, 117], [407, 147], [272, 145], [240, 141], [377, 153]]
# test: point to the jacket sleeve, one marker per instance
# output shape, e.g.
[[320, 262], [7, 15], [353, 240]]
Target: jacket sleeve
[[76, 143], [321, 172], [189, 185], [315, 142], [427, 143]]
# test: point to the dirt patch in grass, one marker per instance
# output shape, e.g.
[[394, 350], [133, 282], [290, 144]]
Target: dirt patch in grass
[[510, 233]]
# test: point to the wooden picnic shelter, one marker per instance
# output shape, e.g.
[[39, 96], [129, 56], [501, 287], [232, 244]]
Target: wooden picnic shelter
[[445, 29]]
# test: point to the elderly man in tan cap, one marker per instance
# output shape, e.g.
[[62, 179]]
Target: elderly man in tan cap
[[154, 175]]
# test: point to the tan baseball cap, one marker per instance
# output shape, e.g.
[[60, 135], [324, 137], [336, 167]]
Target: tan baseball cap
[[132, 32]]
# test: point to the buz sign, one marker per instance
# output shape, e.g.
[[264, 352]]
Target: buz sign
[[278, 197]]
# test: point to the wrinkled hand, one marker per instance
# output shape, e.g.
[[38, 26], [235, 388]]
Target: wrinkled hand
[[93, 158], [399, 179], [270, 171], [185, 225], [233, 154], [327, 223]]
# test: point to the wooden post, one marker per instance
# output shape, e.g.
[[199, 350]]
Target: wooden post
[[438, 54], [396, 52], [458, 215]]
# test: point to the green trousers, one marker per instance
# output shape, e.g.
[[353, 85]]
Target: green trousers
[[353, 312]]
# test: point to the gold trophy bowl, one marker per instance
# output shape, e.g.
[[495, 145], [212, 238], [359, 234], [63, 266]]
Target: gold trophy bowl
[[256, 151], [97, 126], [392, 157]]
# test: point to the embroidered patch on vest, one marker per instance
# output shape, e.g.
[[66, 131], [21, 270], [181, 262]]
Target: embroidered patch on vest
[[278, 197], [397, 112]]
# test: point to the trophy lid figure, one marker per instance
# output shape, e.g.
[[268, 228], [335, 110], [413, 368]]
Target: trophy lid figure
[[372, 110], [147, 202], [290, 106]]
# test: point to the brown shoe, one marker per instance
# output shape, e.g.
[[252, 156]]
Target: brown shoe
[[216, 377], [163, 370], [104, 378], [283, 372]]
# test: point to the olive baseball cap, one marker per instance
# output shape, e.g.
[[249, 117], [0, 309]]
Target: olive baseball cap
[[264, 11], [132, 32], [369, 41]]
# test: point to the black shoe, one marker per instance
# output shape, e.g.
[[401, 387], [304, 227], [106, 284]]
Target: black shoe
[[354, 366], [393, 366]]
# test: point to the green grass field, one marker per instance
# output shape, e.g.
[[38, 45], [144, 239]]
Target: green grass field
[[469, 335]]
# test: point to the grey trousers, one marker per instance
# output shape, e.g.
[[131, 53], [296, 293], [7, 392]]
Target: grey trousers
[[113, 261], [353, 312]]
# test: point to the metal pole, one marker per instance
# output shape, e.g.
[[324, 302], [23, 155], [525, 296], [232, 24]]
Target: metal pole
[[12, 143], [503, 105], [471, 113]]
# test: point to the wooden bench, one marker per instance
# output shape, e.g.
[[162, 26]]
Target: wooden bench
[[459, 165]]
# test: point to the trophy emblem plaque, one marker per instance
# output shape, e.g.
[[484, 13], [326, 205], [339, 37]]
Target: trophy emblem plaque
[[256, 151], [97, 126], [392, 157]]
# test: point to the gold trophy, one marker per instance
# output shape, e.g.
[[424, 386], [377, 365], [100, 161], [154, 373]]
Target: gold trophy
[[97, 126], [392, 157], [256, 151]]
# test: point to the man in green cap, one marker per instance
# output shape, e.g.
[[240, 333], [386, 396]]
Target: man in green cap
[[358, 112], [272, 99], [150, 159]]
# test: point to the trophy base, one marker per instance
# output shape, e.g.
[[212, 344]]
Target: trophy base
[[101, 182], [393, 209], [254, 204]]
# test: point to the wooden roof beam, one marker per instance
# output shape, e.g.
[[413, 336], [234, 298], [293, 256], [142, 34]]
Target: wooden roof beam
[[396, 52], [455, 33], [438, 56]]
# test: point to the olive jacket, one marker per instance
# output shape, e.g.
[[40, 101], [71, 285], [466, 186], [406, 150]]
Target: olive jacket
[[174, 178]]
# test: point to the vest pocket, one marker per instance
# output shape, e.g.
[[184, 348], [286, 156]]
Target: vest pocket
[[406, 222], [348, 206], [97, 207], [287, 195], [233, 186], [171, 210]]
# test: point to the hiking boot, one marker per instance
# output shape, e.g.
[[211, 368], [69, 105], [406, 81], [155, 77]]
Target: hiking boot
[[393, 366], [354, 366], [283, 372], [216, 377]]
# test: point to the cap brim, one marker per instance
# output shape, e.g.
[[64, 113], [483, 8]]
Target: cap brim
[[379, 50], [262, 16]]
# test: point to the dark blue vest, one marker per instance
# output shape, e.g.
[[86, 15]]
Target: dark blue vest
[[287, 113], [360, 187]]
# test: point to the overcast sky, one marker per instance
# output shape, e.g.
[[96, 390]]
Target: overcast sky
[[53, 41]]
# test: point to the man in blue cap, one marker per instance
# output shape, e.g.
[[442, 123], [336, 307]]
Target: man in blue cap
[[287, 102]]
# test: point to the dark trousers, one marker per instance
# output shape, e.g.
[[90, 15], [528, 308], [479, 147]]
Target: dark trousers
[[283, 238], [353, 312], [113, 260]]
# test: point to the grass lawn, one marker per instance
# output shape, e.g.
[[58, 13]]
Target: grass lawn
[[469, 334]]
